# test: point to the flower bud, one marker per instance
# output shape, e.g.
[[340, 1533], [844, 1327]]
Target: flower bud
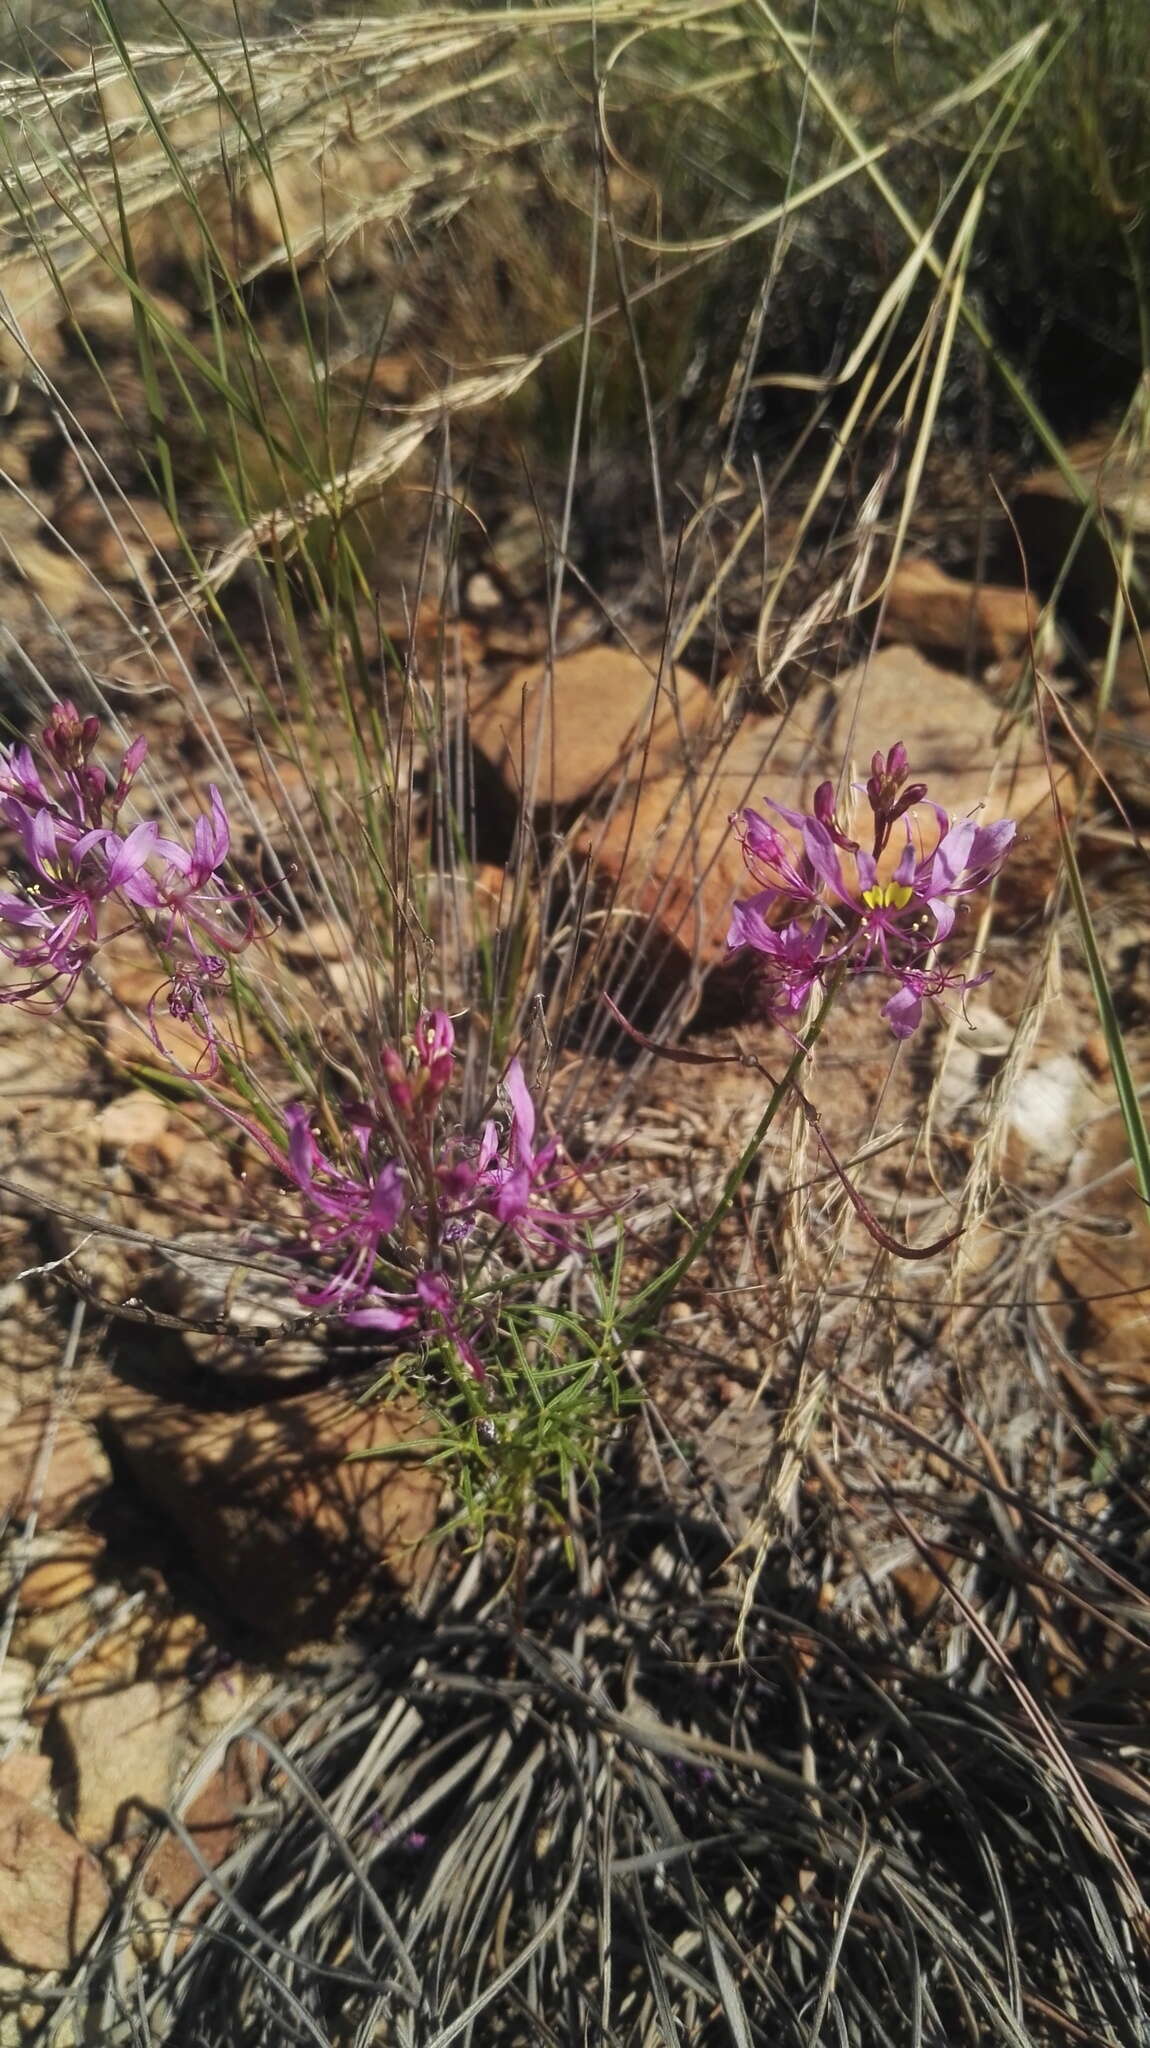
[[129, 769], [823, 809], [397, 1081], [434, 1043], [907, 801], [67, 737]]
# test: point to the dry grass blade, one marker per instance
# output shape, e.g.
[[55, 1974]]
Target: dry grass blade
[[548, 1861], [286, 528]]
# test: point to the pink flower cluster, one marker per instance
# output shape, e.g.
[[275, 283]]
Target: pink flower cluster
[[388, 1222], [83, 878], [821, 909], [445, 1185]]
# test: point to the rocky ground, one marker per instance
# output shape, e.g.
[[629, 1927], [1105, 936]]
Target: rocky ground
[[182, 1523]]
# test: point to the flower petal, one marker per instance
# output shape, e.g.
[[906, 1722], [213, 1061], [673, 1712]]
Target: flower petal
[[991, 844], [943, 914], [904, 1011], [822, 853], [748, 926], [387, 1200], [376, 1315], [128, 858], [522, 1111]]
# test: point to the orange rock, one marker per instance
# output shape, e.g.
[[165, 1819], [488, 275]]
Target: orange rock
[[567, 736], [27, 1775], [931, 609], [212, 1821], [76, 1470], [919, 1589], [671, 858], [52, 1895], [59, 1580], [291, 1529], [121, 1748]]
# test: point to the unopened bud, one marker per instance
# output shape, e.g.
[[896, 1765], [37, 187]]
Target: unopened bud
[[397, 1080], [824, 810], [907, 801], [67, 737], [129, 769], [883, 786], [434, 1042]]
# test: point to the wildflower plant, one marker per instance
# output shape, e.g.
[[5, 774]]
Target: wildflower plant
[[429, 1234], [414, 1227], [823, 908], [422, 1201], [822, 912], [84, 880]]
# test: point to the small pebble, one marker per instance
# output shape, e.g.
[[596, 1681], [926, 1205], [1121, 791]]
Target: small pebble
[[482, 593]]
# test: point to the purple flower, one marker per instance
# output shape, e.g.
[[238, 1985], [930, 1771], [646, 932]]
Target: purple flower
[[187, 897], [187, 994], [350, 1215], [58, 914], [81, 867], [771, 857], [445, 1189], [514, 1179], [903, 1010], [69, 784], [419, 1082], [506, 1183], [355, 1216], [20, 777], [434, 1298], [791, 959], [822, 908]]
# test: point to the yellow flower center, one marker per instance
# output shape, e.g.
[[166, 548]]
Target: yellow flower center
[[888, 896]]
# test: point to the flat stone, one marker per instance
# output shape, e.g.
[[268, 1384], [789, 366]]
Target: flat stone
[[76, 1470], [290, 1529], [567, 735], [27, 1774], [52, 1894], [122, 1749], [931, 610], [212, 1819]]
